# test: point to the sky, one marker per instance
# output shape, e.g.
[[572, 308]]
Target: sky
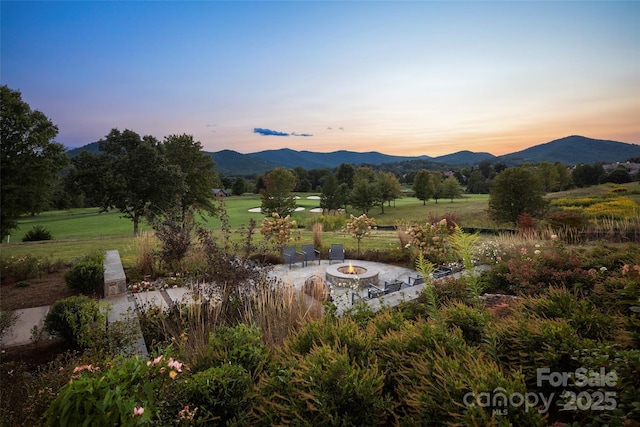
[[401, 78]]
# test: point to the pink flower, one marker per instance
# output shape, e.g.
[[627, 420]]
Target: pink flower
[[155, 361], [174, 364], [138, 411]]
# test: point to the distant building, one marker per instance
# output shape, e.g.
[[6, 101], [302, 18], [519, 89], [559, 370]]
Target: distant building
[[220, 192]]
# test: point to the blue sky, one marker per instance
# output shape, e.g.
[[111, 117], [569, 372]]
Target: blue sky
[[404, 78]]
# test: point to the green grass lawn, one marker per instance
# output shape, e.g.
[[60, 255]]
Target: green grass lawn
[[77, 232]]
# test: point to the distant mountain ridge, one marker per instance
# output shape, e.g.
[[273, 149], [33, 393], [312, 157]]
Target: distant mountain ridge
[[570, 150]]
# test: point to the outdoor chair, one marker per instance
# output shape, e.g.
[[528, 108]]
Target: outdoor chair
[[392, 286], [417, 280], [310, 253], [374, 291], [336, 253], [291, 256]]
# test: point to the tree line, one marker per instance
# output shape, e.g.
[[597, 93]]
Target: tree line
[[142, 177]]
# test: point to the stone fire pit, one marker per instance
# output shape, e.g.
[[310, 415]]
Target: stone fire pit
[[348, 273]]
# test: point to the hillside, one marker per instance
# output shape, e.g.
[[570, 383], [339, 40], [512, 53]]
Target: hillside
[[232, 163], [574, 150], [570, 151], [311, 160], [464, 157]]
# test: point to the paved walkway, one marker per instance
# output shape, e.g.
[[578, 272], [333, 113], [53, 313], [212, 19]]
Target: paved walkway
[[124, 307]]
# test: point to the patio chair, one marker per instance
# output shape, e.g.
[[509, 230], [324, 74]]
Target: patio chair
[[417, 280], [336, 253], [309, 253], [394, 286], [291, 256]]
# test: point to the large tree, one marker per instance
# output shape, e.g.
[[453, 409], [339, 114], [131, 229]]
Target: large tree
[[477, 183], [423, 186], [451, 188], [331, 197], [30, 162], [345, 174], [516, 191], [388, 187], [364, 195], [277, 197], [197, 169], [587, 175], [132, 175]]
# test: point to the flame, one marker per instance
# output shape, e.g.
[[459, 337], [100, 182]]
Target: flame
[[351, 270]]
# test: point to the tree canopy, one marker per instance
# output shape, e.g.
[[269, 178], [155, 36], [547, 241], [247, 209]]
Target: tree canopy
[[30, 161], [451, 188], [277, 196], [423, 186], [197, 169], [131, 175], [516, 191], [388, 188]]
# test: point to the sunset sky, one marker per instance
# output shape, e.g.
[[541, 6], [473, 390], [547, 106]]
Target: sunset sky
[[402, 78]]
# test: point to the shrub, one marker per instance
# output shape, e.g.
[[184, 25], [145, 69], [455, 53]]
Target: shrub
[[36, 234], [527, 224], [573, 219], [78, 320], [7, 319], [331, 220], [431, 372], [220, 393], [432, 239], [451, 219], [175, 230], [323, 387], [438, 388], [626, 365], [618, 208], [471, 321], [533, 273], [449, 289], [239, 345], [126, 391], [360, 227], [528, 343], [339, 333], [85, 276], [278, 229], [586, 319], [20, 268]]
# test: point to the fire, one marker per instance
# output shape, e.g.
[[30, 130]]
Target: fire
[[351, 269]]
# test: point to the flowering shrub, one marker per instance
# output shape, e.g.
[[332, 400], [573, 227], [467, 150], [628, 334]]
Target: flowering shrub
[[491, 251], [27, 267], [143, 286], [619, 208], [277, 228], [567, 218], [536, 270], [574, 201], [432, 239], [129, 392], [527, 224], [360, 227]]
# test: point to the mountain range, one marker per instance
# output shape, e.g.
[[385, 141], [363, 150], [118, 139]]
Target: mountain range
[[570, 151]]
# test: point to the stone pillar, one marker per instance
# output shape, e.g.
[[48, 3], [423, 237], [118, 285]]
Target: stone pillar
[[115, 281]]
